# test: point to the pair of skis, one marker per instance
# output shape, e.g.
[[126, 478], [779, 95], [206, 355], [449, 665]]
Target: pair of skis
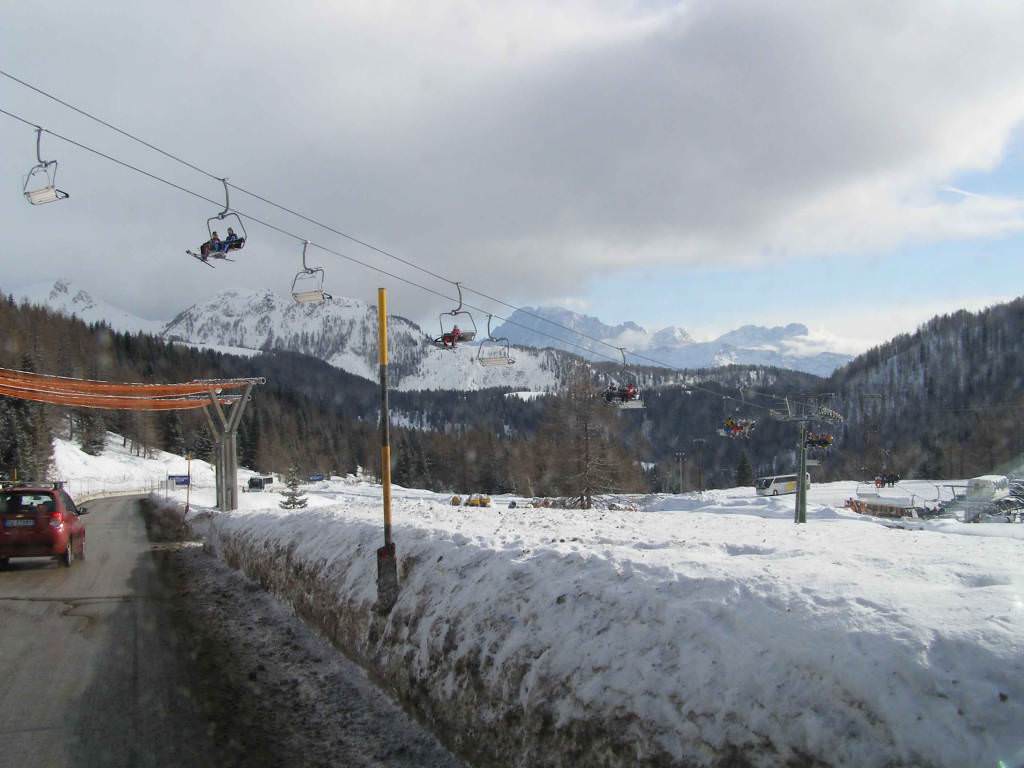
[[205, 259]]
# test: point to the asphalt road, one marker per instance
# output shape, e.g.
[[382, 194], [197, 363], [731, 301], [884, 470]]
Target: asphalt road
[[159, 655], [90, 658]]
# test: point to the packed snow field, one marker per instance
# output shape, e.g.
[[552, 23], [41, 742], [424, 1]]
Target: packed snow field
[[700, 626]]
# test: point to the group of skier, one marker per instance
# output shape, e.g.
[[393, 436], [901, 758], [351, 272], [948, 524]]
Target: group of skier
[[819, 440], [217, 248], [734, 427], [621, 393]]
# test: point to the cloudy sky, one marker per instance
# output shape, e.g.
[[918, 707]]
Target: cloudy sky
[[856, 167]]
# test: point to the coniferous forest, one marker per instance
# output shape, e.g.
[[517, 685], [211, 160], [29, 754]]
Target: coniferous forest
[[942, 402]]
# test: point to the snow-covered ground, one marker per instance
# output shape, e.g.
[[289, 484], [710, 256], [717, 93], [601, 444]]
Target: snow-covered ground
[[118, 469], [699, 624], [710, 617]]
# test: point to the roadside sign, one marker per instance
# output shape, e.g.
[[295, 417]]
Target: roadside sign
[[813, 463], [178, 479]]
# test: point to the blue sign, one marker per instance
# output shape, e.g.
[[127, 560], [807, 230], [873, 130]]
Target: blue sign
[[178, 479], [316, 478]]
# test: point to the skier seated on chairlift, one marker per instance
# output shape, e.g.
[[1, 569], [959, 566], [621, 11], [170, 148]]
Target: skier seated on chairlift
[[816, 440], [622, 394], [213, 245], [738, 427], [232, 242], [450, 339]]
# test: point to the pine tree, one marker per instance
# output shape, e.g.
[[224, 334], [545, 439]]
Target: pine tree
[[92, 432], [293, 497], [744, 472], [172, 433], [33, 434], [586, 425], [202, 443]]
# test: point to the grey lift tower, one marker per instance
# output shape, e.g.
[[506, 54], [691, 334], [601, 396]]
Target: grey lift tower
[[804, 411]]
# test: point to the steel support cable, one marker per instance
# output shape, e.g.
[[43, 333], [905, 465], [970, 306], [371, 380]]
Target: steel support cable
[[347, 236], [283, 231], [364, 264], [328, 227], [352, 259]]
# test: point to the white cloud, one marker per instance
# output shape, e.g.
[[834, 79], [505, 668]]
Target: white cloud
[[527, 145]]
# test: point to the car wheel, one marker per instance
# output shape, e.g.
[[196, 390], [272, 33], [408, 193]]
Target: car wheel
[[69, 554], [4, 562]]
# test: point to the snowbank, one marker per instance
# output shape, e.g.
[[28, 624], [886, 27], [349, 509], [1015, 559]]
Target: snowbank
[[706, 629], [118, 469]]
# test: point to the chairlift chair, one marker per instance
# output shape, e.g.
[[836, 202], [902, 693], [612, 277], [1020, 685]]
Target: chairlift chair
[[227, 213], [616, 396], [447, 339], [736, 426], [308, 285], [40, 183], [494, 351]]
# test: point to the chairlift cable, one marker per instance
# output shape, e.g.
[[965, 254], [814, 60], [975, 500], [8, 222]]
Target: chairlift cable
[[341, 233], [286, 232], [309, 219], [354, 260]]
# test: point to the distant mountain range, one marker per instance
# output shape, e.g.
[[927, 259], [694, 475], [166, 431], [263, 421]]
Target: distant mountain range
[[790, 346], [342, 332]]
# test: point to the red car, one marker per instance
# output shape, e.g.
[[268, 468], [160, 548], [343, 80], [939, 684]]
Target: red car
[[40, 521]]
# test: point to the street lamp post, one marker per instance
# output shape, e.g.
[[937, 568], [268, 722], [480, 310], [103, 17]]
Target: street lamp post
[[700, 461], [681, 459]]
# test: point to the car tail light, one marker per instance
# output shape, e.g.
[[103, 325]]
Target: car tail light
[[56, 520]]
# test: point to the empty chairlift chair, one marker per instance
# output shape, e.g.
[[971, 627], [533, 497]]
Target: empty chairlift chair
[[308, 285], [40, 183], [494, 351]]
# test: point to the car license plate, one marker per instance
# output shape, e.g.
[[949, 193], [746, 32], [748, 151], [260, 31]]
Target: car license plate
[[19, 523]]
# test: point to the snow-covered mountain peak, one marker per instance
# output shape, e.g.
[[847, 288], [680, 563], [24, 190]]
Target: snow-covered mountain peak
[[673, 336], [343, 332], [757, 335], [789, 346], [66, 298]]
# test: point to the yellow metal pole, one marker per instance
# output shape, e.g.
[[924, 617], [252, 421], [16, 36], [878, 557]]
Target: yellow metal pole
[[387, 563], [188, 488], [385, 430]]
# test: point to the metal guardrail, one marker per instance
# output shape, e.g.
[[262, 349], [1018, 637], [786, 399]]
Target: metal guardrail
[[141, 491]]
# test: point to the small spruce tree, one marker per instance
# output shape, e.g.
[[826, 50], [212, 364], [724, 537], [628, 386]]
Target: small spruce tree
[[293, 497], [744, 472], [92, 432]]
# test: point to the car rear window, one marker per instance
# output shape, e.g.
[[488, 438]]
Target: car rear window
[[20, 502]]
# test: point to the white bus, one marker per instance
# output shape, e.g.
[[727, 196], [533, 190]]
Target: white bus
[[778, 485]]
